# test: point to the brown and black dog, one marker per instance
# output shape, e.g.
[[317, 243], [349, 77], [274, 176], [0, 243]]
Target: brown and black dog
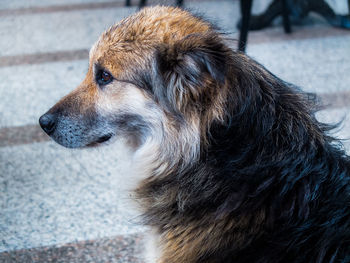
[[233, 165]]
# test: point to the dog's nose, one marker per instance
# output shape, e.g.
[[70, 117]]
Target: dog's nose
[[48, 123]]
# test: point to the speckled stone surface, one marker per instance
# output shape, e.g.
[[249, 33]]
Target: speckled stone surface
[[12, 4], [26, 98], [56, 31], [54, 195], [80, 29], [315, 65], [121, 249], [22, 135]]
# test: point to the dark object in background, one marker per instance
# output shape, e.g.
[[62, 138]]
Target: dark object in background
[[244, 24], [246, 7], [297, 10]]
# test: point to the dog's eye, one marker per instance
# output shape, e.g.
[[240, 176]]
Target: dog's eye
[[103, 77]]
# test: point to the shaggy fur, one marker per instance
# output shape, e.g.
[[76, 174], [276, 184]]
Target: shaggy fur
[[235, 167]]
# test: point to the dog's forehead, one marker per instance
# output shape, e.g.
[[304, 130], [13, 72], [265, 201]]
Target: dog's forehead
[[156, 24], [128, 43], [149, 28]]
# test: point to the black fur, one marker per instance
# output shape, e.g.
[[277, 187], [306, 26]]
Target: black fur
[[270, 163]]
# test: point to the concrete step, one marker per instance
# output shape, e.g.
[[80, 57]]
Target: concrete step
[[79, 29], [76, 29], [16, 4], [37, 89], [57, 31], [316, 65], [120, 249], [54, 195]]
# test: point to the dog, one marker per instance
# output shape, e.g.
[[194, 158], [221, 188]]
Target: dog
[[232, 164]]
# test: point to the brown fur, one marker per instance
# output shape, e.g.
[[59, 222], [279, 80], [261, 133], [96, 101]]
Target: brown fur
[[127, 44]]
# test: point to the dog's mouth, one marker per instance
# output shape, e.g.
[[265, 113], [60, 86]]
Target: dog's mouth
[[100, 140]]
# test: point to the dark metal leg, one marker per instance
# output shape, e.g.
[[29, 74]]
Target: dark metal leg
[[180, 2], [128, 2], [285, 13], [142, 3], [246, 8], [322, 8], [263, 20]]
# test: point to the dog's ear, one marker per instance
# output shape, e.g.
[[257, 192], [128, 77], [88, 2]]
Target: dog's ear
[[189, 67]]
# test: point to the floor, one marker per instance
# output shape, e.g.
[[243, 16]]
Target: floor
[[61, 205]]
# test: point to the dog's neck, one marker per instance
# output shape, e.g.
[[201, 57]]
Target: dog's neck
[[237, 151]]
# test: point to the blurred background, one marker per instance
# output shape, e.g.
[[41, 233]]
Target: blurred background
[[62, 205]]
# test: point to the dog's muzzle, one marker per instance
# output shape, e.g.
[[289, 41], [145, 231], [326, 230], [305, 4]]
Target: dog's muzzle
[[74, 131]]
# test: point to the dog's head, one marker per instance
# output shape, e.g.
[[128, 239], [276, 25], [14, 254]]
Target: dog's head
[[155, 76]]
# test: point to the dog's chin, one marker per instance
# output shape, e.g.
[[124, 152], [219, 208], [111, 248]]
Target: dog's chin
[[79, 143], [100, 140]]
